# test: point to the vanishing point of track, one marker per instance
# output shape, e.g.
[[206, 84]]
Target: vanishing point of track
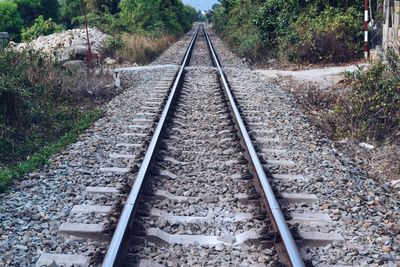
[[201, 188]]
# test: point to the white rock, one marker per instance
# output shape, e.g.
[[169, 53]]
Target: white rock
[[78, 52], [98, 72], [367, 146], [74, 64], [110, 61], [219, 247], [395, 183], [59, 44]]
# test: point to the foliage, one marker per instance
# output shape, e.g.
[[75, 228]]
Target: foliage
[[371, 109], [112, 45], [138, 16], [105, 22], [305, 30], [101, 13], [156, 16], [330, 36], [10, 19], [137, 48], [69, 10], [368, 110], [274, 19], [34, 95], [83, 121], [39, 28], [19, 14], [31, 9], [233, 22], [201, 17], [105, 6], [39, 17]]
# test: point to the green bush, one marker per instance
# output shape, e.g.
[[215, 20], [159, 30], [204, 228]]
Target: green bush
[[329, 36], [41, 27], [237, 27], [102, 14], [33, 97], [371, 110], [69, 10], [105, 22], [156, 16], [274, 20], [31, 9], [313, 31], [10, 19], [111, 45]]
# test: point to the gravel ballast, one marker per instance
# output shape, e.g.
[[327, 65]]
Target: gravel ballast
[[200, 146], [363, 211], [33, 209]]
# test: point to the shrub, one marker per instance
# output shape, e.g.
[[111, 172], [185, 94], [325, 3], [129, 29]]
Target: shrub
[[137, 48], [324, 47], [237, 27], [106, 22], [371, 109], [274, 18], [313, 31], [24, 90], [10, 19], [31, 9], [112, 45], [23, 76], [156, 16], [41, 27], [69, 10], [329, 36], [35, 94]]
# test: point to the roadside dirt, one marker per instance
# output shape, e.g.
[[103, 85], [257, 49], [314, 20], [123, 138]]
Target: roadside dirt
[[381, 161]]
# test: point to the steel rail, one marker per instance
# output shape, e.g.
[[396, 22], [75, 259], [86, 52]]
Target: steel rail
[[286, 236], [113, 256]]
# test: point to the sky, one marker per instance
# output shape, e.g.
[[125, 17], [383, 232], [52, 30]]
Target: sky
[[201, 4]]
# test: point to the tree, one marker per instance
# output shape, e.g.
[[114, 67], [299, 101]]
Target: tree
[[69, 11], [141, 15], [201, 17], [41, 27], [31, 9], [10, 19], [156, 16], [106, 6]]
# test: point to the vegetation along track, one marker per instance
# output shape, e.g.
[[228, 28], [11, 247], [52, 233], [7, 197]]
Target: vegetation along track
[[194, 201]]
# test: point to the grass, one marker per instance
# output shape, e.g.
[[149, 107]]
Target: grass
[[40, 158], [136, 48], [364, 107]]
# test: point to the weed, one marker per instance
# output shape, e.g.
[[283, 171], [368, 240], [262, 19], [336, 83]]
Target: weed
[[137, 48], [39, 28], [372, 108], [40, 158], [37, 93]]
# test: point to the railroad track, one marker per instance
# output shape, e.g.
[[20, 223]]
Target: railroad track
[[201, 195]]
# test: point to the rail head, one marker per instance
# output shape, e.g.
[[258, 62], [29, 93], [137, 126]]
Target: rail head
[[115, 250], [284, 232]]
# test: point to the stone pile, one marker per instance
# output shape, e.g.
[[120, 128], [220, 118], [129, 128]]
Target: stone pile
[[68, 45]]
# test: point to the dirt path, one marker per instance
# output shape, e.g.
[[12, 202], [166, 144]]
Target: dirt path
[[322, 77]]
